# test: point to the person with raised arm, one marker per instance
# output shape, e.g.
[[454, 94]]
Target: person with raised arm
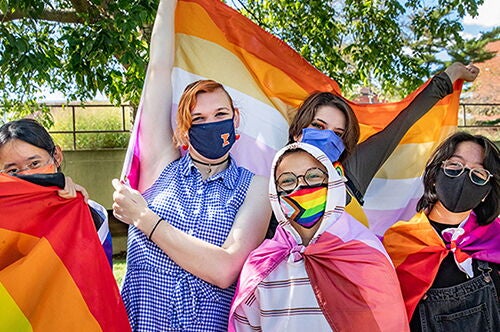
[[196, 217]]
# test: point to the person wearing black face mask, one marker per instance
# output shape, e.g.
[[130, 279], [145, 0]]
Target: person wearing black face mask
[[447, 256]]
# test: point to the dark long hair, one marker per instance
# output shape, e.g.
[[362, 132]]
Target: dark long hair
[[29, 131], [487, 210], [307, 111]]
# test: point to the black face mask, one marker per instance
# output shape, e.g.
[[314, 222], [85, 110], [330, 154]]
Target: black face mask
[[459, 194]]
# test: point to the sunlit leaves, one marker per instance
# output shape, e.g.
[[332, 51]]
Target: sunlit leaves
[[389, 45], [105, 49]]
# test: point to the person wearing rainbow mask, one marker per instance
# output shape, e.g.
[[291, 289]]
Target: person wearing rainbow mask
[[322, 269]]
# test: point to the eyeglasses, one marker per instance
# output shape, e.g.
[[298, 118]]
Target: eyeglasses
[[288, 181], [453, 169], [35, 164]]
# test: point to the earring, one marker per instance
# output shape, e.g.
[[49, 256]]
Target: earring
[[237, 136], [184, 147]]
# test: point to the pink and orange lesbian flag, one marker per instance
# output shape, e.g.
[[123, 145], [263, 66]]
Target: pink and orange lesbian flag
[[54, 275], [268, 81]]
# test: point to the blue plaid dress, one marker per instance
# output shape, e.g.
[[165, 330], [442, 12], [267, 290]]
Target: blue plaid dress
[[159, 295]]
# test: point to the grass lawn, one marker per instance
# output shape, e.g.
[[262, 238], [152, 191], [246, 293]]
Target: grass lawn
[[119, 267]]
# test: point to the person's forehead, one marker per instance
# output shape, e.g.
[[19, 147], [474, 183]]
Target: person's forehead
[[18, 151], [298, 161], [210, 101], [469, 153], [331, 115]]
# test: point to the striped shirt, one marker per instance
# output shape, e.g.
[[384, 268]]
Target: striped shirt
[[285, 299]]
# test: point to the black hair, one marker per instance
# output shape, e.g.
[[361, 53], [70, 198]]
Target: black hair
[[29, 131], [489, 209]]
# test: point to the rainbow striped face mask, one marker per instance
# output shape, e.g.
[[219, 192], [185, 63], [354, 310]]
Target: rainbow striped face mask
[[305, 205]]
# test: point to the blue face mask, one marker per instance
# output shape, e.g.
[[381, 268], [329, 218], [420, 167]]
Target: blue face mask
[[212, 140], [325, 140]]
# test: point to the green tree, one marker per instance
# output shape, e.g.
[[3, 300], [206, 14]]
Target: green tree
[[81, 47], [78, 47], [472, 50], [389, 45]]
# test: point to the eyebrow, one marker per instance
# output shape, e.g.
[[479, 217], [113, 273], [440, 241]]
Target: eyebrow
[[217, 109], [464, 161], [324, 122]]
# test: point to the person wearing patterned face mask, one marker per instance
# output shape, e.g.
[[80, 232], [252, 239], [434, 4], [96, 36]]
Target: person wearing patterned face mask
[[312, 273], [447, 256]]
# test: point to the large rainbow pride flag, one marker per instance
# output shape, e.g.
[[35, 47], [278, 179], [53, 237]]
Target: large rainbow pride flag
[[268, 81], [54, 275]]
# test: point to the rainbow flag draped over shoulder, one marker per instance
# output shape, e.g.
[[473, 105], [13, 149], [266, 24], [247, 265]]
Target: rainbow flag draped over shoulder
[[54, 275], [268, 81], [417, 251]]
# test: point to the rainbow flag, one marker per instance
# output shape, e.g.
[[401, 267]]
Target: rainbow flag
[[54, 275], [417, 251], [268, 81]]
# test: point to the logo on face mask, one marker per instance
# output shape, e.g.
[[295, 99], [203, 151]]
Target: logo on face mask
[[212, 140], [325, 140], [459, 194], [225, 139], [305, 205]]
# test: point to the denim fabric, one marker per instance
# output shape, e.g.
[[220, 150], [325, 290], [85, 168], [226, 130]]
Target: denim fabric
[[469, 306]]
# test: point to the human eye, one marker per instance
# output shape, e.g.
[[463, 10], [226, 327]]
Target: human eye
[[10, 171], [480, 175], [317, 125], [196, 119], [35, 164], [286, 181], [223, 113], [453, 168], [315, 176], [453, 165], [339, 132]]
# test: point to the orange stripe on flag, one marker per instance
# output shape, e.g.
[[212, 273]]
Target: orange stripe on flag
[[253, 40], [52, 263], [42, 287]]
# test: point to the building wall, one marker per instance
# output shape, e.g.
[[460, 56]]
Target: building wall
[[94, 170]]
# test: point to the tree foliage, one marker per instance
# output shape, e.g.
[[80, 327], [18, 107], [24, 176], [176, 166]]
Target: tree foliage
[[77, 47], [81, 47], [389, 45]]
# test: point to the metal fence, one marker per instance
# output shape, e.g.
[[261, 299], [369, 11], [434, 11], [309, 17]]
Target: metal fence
[[91, 126], [480, 118]]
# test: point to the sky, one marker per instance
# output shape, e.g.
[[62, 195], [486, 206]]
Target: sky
[[488, 17]]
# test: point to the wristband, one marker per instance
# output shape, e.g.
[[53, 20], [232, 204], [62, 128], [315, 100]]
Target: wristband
[[154, 228]]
